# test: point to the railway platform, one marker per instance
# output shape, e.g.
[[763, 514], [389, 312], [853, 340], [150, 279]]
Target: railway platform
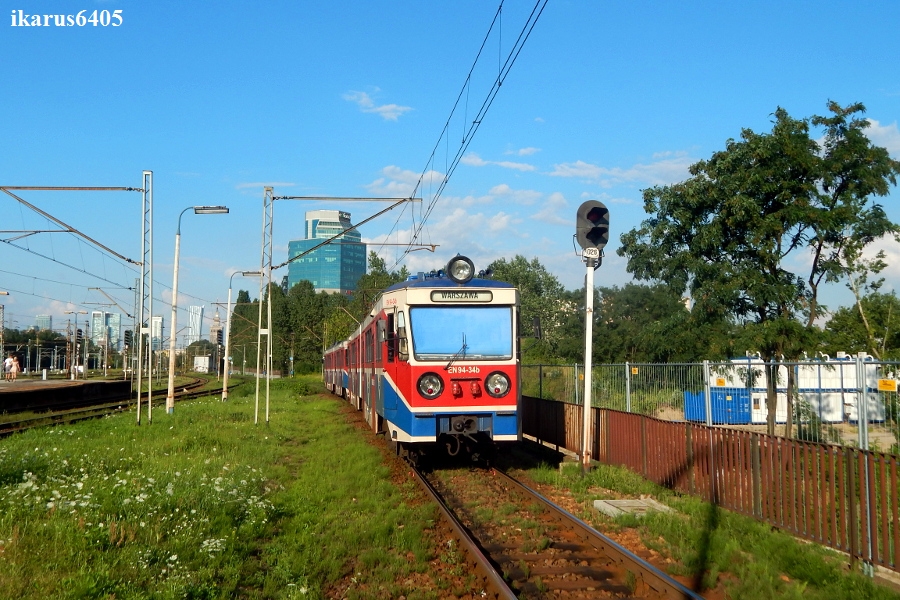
[[27, 394]]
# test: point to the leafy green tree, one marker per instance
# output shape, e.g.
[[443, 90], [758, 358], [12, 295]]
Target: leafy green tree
[[542, 297], [758, 227], [244, 319], [872, 325], [641, 323]]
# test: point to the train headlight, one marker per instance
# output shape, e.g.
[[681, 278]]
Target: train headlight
[[497, 384], [430, 386], [460, 269]]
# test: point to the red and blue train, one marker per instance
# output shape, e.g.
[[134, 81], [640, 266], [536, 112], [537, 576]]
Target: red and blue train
[[434, 366]]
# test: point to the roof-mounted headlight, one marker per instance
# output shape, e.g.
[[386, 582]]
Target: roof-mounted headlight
[[460, 269]]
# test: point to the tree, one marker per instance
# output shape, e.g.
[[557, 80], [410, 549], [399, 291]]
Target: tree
[[872, 325], [641, 323], [541, 296], [730, 233]]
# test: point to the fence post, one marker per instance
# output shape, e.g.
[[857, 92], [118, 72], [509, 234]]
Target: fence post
[[688, 439], [627, 387], [862, 414], [756, 476], [541, 382], [852, 517], [707, 394]]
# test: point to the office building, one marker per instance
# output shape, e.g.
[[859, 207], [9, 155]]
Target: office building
[[195, 325], [98, 327], [335, 267], [105, 328], [114, 328], [43, 322], [156, 332]]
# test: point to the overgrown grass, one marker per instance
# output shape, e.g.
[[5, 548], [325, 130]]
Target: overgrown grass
[[205, 504], [714, 545]]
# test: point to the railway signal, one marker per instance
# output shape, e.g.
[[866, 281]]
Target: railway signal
[[592, 225], [128, 338], [592, 234]]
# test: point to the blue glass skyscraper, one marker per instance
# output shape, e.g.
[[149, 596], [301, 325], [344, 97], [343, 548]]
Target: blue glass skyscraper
[[335, 267]]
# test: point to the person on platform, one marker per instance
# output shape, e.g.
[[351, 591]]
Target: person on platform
[[7, 367], [14, 370]]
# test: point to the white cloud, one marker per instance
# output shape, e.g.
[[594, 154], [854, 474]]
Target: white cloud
[[524, 151], [887, 136], [671, 168], [508, 194], [553, 211], [389, 112], [473, 160], [400, 183]]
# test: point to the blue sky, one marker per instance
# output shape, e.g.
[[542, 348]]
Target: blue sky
[[350, 98]]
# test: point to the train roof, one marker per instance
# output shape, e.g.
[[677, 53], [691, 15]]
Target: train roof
[[445, 282]]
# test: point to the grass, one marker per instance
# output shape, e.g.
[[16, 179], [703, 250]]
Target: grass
[[747, 558], [203, 504]]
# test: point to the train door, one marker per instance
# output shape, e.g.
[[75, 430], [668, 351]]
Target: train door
[[369, 375], [390, 337]]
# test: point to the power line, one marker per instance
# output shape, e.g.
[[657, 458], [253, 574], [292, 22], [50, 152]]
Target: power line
[[504, 70]]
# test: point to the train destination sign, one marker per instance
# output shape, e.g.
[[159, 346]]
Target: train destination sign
[[462, 296]]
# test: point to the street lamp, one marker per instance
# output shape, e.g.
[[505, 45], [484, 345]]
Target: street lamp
[[2, 326], [228, 328], [75, 344], [198, 210]]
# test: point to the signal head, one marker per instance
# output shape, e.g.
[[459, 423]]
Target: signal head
[[592, 225]]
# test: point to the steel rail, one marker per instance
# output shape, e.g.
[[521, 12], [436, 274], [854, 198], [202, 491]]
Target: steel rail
[[652, 576], [494, 583]]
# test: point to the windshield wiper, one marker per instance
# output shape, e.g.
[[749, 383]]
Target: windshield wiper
[[460, 354]]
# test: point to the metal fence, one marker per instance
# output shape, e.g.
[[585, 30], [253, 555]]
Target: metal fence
[[851, 401], [840, 497]]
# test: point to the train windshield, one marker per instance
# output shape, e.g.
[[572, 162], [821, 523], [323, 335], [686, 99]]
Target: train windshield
[[462, 332]]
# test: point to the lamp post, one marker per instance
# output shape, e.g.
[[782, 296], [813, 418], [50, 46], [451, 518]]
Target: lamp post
[[2, 327], [198, 210], [228, 328], [75, 345]]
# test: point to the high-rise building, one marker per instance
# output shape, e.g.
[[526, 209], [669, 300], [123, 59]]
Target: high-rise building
[[215, 328], [156, 332], [107, 327], [98, 327], [42, 322], [335, 267], [114, 327], [195, 324]]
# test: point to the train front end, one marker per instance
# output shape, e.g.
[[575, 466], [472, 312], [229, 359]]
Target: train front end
[[455, 383]]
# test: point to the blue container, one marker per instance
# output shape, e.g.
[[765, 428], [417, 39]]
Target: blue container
[[730, 406]]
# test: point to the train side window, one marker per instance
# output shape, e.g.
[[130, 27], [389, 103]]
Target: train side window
[[379, 341], [391, 339], [401, 334], [369, 347]]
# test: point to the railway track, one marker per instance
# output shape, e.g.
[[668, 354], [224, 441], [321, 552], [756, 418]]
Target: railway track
[[520, 545], [193, 389]]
